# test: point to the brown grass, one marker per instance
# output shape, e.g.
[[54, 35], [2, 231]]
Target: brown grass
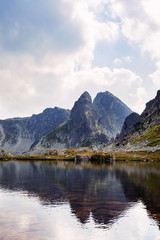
[[96, 156]]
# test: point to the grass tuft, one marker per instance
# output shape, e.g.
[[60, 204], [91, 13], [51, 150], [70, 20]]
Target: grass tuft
[[152, 136]]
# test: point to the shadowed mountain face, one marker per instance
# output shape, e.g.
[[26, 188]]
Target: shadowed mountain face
[[151, 115], [82, 129], [17, 135], [128, 126], [91, 123], [105, 192], [82, 121], [144, 128], [110, 113]]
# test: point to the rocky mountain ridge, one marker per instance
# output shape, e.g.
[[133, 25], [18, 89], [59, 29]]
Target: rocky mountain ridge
[[90, 123], [110, 112], [142, 131], [18, 135]]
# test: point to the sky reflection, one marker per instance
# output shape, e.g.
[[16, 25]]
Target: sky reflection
[[25, 218], [48, 200]]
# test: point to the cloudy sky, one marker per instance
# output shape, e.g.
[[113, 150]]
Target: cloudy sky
[[52, 51]]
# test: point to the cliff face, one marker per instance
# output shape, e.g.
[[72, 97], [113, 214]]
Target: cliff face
[[90, 123], [83, 129], [17, 135], [145, 129], [82, 121], [128, 126], [87, 124], [150, 116], [79, 130]]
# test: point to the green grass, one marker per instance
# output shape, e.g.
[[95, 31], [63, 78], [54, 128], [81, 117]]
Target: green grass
[[99, 129], [153, 136]]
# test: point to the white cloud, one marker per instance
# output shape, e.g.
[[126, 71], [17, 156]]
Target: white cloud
[[117, 61], [28, 86], [156, 76], [121, 82], [152, 9], [93, 31], [46, 59], [40, 53], [128, 59], [140, 23], [123, 60]]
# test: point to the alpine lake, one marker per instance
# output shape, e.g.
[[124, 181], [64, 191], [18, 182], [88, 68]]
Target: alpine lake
[[60, 200]]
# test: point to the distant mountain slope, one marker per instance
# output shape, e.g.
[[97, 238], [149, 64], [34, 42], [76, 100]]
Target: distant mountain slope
[[145, 131], [110, 113], [82, 125], [80, 130], [17, 135], [89, 124]]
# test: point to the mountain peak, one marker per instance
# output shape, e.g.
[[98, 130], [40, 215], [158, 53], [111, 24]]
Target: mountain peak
[[148, 122], [110, 112], [158, 94], [152, 104], [85, 97], [81, 119]]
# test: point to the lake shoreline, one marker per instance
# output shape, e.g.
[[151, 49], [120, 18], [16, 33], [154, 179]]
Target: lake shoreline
[[88, 155]]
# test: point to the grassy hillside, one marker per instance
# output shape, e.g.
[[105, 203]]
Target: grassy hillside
[[152, 136]]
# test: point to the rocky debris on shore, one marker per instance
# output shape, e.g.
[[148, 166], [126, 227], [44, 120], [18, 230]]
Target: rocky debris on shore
[[131, 148], [82, 157]]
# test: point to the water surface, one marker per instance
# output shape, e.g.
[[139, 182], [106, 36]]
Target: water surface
[[61, 200]]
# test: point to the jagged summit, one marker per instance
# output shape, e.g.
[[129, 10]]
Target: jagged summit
[[151, 115], [86, 96], [152, 103], [81, 106], [106, 93], [90, 123], [158, 94], [82, 121], [110, 112], [87, 124]]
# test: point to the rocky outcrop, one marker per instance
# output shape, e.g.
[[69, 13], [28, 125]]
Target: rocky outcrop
[[146, 131], [128, 126], [90, 124], [3, 153], [82, 121], [82, 158], [80, 130], [82, 125], [87, 124], [150, 116]]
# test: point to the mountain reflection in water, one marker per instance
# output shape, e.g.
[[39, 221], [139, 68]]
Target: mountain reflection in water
[[103, 193]]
